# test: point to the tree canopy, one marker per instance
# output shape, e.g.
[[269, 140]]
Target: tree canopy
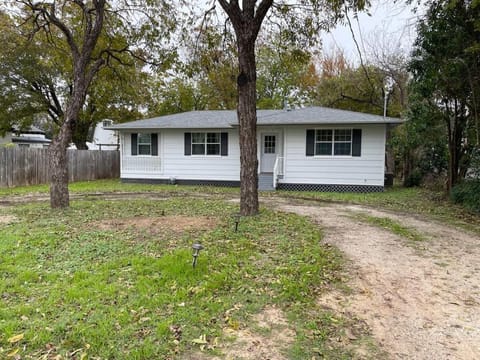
[[445, 68], [79, 38], [41, 83]]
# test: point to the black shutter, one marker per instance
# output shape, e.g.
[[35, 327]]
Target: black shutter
[[224, 142], [310, 150], [134, 144], [188, 144], [357, 142], [155, 144]]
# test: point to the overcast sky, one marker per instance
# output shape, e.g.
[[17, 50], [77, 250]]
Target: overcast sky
[[390, 23]]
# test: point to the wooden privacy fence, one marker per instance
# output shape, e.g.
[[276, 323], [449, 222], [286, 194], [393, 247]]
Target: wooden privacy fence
[[25, 166]]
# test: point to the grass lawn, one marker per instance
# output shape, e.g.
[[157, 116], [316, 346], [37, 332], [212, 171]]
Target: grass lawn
[[114, 279], [409, 200]]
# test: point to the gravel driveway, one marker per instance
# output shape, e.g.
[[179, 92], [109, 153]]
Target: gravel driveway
[[420, 303]]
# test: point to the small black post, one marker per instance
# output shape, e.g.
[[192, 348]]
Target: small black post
[[196, 252], [236, 218]]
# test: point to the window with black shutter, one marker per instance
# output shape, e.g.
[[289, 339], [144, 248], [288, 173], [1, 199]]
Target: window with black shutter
[[333, 142], [144, 144]]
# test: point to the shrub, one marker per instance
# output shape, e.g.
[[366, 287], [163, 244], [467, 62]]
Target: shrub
[[467, 194], [414, 179]]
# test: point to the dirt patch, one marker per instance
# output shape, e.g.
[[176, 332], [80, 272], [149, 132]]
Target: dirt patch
[[159, 225], [419, 304], [271, 338], [7, 219], [267, 337]]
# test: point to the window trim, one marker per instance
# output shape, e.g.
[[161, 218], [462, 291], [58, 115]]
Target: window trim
[[332, 153]]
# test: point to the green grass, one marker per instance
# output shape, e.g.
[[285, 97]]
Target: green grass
[[421, 201], [116, 186], [79, 289], [394, 226], [76, 288]]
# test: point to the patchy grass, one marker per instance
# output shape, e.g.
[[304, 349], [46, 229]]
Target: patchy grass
[[74, 285], [395, 227], [408, 200]]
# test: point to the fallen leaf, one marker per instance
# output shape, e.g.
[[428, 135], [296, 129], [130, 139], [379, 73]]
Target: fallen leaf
[[13, 352], [15, 338], [202, 340], [199, 341]]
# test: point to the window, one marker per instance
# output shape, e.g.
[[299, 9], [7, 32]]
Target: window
[[343, 142], [269, 144], [340, 140], [206, 143], [144, 144], [323, 142], [106, 123], [337, 142]]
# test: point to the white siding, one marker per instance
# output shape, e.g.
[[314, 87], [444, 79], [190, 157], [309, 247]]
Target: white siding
[[173, 163], [368, 169]]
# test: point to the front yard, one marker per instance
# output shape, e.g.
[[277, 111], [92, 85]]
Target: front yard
[[112, 277], [114, 280]]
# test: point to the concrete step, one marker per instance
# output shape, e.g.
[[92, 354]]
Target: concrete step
[[265, 182]]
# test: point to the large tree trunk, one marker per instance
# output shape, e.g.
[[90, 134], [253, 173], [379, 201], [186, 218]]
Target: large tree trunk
[[58, 166], [247, 21], [58, 161], [247, 117]]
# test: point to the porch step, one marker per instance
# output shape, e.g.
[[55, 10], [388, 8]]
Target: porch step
[[265, 182]]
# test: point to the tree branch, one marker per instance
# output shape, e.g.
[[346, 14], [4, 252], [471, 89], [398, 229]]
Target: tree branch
[[262, 10]]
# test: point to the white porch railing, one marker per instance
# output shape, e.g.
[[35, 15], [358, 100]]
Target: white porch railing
[[141, 164], [277, 170]]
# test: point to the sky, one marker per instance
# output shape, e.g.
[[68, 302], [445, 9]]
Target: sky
[[390, 23]]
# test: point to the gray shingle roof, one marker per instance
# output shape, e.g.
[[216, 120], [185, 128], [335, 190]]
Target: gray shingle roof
[[222, 119]]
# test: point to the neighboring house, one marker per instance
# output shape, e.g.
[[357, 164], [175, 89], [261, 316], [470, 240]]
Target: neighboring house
[[32, 137], [104, 139], [312, 148]]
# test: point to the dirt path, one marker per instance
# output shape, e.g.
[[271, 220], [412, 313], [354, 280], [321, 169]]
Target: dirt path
[[419, 304]]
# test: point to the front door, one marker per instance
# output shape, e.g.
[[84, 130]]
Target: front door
[[269, 152]]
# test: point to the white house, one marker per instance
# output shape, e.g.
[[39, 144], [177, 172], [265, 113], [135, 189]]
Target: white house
[[104, 139], [312, 148]]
